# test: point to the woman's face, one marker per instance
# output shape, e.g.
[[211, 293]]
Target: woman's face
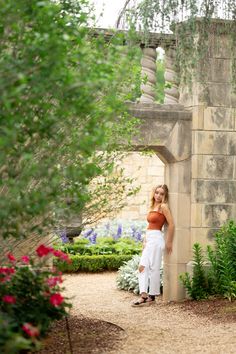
[[159, 195]]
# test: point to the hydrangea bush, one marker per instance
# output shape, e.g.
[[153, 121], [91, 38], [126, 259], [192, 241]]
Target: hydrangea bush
[[30, 299]]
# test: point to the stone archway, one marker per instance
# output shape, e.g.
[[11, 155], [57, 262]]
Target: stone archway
[[166, 130]]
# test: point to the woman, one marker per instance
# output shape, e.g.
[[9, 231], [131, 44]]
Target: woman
[[153, 246]]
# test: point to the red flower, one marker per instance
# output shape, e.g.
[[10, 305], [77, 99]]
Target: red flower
[[63, 256], [11, 257], [31, 330], [53, 281], [56, 299], [9, 299], [25, 259], [7, 270], [43, 250]]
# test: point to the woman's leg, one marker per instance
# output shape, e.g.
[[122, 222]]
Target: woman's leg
[[155, 265]]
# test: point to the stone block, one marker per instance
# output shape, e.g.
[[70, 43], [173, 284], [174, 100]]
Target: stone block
[[179, 140], [203, 236], [153, 170], [180, 208], [234, 167], [192, 97], [210, 142], [181, 246], [198, 117], [196, 215], [213, 191], [219, 118], [196, 162], [178, 176], [173, 289], [212, 166], [219, 94], [232, 143], [215, 215], [219, 70], [220, 46]]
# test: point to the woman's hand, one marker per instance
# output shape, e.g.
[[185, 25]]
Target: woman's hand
[[169, 247]]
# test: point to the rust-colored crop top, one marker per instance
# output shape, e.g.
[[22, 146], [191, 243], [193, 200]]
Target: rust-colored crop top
[[155, 220]]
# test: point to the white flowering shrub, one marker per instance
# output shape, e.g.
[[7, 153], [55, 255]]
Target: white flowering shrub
[[127, 278]]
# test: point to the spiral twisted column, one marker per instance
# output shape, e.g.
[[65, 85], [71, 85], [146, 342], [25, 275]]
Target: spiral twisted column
[[148, 73], [171, 78]]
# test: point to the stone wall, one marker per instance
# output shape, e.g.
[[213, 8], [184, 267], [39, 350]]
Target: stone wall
[[213, 188], [149, 171]]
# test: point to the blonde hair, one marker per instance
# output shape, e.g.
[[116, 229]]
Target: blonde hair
[[166, 194]]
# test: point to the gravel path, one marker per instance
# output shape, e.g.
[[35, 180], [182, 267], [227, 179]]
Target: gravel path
[[159, 328]]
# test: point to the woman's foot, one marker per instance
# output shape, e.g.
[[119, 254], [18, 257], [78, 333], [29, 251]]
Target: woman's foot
[[144, 301]]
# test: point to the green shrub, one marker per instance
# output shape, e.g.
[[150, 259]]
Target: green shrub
[[30, 299], [223, 261], [93, 263], [104, 245], [197, 286], [219, 278], [11, 340]]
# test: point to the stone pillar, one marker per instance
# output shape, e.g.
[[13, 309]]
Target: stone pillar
[[213, 194], [148, 73], [177, 177], [171, 77]]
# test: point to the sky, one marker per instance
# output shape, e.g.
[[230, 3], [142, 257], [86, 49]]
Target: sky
[[110, 8]]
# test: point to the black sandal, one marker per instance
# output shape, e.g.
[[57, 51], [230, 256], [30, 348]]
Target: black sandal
[[140, 303]]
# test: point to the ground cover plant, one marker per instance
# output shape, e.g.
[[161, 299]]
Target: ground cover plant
[[30, 299]]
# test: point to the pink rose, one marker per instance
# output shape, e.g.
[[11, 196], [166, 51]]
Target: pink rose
[[25, 259], [11, 257], [56, 299], [43, 250], [31, 330], [9, 299]]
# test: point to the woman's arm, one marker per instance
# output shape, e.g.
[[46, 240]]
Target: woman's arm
[[171, 227]]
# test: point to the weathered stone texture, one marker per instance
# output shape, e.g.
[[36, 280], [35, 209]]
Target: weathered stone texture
[[219, 118], [213, 191], [215, 215], [210, 142], [220, 46], [212, 166], [218, 70]]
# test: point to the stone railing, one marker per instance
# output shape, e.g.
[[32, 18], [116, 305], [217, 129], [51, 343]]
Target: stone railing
[[149, 46]]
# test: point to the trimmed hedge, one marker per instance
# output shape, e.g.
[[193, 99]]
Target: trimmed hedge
[[95, 263]]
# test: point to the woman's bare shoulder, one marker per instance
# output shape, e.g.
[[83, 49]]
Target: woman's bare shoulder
[[165, 207]]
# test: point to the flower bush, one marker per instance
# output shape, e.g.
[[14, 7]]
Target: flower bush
[[30, 299], [116, 229]]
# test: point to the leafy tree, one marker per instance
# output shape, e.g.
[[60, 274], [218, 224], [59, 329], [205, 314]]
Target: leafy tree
[[63, 118]]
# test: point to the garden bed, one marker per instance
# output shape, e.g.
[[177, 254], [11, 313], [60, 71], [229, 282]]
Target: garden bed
[[88, 335]]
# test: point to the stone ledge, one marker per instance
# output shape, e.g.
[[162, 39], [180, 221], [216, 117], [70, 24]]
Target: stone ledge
[[154, 111]]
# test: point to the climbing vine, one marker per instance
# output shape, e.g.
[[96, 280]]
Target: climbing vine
[[193, 36]]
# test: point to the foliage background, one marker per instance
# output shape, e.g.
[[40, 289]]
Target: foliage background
[[62, 100]]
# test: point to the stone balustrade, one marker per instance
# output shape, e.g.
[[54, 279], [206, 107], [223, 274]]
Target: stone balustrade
[[148, 63]]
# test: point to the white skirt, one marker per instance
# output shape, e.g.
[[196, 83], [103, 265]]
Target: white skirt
[[149, 278]]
